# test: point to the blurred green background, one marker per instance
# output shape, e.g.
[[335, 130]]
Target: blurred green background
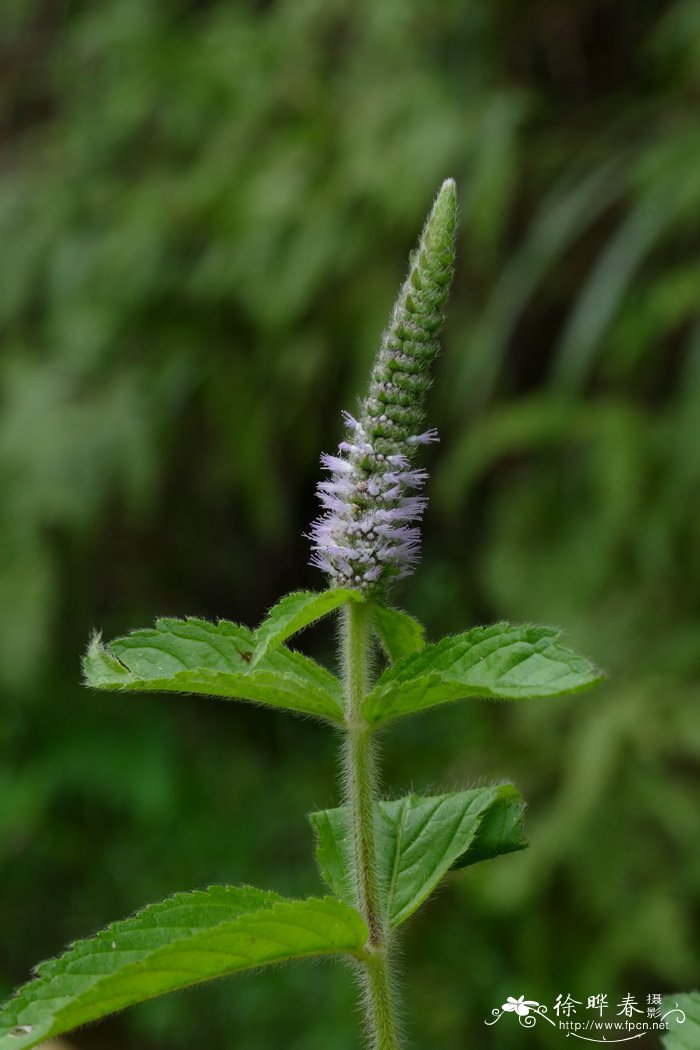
[[205, 212]]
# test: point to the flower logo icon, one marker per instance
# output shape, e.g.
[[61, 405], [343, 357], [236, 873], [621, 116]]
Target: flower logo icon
[[521, 1006]]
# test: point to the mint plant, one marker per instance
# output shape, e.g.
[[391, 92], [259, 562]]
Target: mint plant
[[381, 859]]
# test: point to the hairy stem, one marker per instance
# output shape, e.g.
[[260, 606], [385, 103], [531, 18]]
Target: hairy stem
[[360, 788]]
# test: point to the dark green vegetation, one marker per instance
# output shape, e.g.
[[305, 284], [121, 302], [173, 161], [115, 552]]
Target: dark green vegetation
[[202, 212]]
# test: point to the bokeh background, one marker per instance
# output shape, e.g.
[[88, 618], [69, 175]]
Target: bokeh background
[[205, 212]]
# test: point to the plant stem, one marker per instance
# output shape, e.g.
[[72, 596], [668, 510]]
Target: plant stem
[[360, 789]]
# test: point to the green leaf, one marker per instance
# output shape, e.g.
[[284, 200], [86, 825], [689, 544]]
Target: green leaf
[[295, 612], [683, 1034], [180, 942], [399, 633], [419, 840], [193, 656], [502, 661]]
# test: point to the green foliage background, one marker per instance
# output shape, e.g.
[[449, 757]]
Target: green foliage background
[[205, 210]]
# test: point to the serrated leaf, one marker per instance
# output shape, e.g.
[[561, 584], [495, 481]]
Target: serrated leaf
[[684, 1028], [191, 938], [194, 656], [296, 611], [502, 662], [400, 634], [419, 840]]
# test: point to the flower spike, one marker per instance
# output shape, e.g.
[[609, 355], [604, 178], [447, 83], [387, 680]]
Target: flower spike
[[368, 532]]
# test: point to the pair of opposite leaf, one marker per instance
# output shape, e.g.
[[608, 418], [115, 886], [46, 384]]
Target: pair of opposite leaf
[[226, 660], [199, 936]]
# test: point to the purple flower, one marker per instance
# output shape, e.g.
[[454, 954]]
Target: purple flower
[[368, 530], [372, 504]]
